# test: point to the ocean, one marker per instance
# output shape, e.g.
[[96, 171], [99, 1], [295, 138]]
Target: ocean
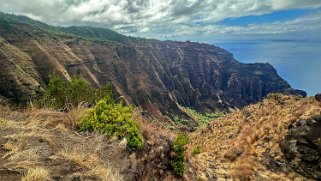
[[297, 62]]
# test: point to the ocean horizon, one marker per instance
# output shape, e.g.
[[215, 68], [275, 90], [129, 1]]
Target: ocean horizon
[[297, 62]]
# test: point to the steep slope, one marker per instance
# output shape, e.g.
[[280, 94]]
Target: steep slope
[[153, 74], [276, 139]]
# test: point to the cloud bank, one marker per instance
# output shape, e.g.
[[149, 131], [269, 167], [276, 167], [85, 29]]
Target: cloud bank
[[167, 18]]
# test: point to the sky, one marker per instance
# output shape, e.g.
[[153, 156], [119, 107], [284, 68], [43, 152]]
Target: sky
[[254, 30], [177, 19]]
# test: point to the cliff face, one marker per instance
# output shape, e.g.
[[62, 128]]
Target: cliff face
[[153, 74]]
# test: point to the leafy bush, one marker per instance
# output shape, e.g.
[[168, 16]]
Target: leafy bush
[[106, 116], [177, 161], [80, 91], [56, 93], [113, 119], [104, 92], [60, 92]]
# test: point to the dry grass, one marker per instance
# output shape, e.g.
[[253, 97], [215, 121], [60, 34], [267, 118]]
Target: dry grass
[[93, 165], [244, 169], [46, 140], [41, 134], [73, 115], [37, 174], [149, 129], [53, 118], [236, 143], [3, 123], [233, 153], [82, 159], [105, 174]]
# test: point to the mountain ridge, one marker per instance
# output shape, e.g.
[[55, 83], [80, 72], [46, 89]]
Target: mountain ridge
[[156, 75]]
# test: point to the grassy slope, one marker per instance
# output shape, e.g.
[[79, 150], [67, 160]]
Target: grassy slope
[[237, 145], [42, 144], [40, 147]]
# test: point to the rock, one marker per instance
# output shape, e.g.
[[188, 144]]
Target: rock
[[318, 97], [302, 147]]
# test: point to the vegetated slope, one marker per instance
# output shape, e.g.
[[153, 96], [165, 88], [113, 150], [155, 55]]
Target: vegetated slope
[[276, 139], [98, 34], [153, 74], [42, 144]]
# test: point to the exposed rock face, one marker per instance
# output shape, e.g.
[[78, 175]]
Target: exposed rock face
[[16, 82], [154, 74], [302, 147], [318, 97]]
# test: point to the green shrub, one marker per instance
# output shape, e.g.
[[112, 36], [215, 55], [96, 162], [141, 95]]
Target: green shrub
[[56, 93], [177, 161], [104, 92], [80, 91], [60, 92], [112, 119], [196, 150]]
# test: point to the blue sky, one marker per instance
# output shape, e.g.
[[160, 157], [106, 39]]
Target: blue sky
[[285, 32], [277, 16]]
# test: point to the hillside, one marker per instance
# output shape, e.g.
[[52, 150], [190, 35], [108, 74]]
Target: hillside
[[43, 144], [156, 75], [276, 139]]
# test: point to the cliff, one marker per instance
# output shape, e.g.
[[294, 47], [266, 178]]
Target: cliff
[[150, 73]]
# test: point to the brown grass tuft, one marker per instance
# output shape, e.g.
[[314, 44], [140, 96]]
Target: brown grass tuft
[[37, 174]]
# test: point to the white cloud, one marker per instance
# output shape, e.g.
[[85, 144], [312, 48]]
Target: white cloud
[[166, 17]]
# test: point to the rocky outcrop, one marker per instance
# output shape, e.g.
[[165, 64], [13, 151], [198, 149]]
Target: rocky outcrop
[[318, 97], [153, 74], [302, 147]]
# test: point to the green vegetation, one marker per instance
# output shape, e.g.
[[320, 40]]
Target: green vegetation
[[107, 116], [180, 121], [177, 161], [198, 119], [113, 119], [59, 92], [202, 118], [196, 150], [98, 34], [37, 29]]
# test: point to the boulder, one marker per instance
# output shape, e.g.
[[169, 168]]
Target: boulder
[[318, 97], [302, 147]]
